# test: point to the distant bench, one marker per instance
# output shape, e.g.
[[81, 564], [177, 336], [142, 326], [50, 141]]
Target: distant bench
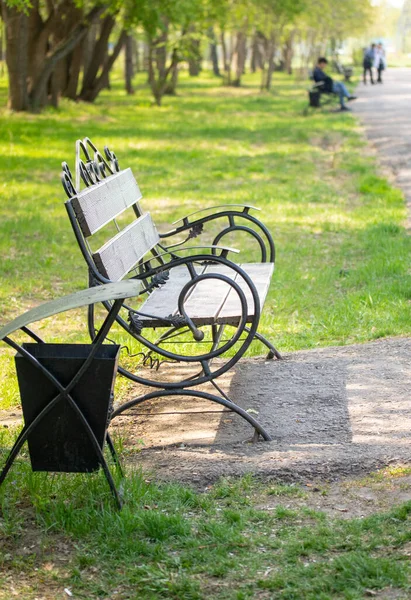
[[347, 72], [318, 97]]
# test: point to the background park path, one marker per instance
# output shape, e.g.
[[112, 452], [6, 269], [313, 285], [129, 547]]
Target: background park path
[[385, 111]]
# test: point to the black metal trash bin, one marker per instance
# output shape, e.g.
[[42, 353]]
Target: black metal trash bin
[[314, 98], [60, 443]]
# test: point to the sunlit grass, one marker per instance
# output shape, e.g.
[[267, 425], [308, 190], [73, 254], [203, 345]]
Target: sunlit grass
[[60, 532]]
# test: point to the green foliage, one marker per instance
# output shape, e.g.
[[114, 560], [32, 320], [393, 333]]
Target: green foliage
[[155, 16], [338, 20]]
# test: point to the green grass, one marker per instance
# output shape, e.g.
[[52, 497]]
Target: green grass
[[342, 252], [342, 277], [171, 541]]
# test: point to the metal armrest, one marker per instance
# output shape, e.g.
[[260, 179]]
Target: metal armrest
[[245, 207], [224, 251], [102, 293]]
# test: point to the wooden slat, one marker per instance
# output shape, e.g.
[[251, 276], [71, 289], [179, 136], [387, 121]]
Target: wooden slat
[[209, 296], [120, 254], [162, 302], [101, 203], [260, 274], [102, 293], [212, 301]]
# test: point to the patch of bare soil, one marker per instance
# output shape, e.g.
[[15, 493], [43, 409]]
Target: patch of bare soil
[[332, 413], [349, 498], [48, 556]]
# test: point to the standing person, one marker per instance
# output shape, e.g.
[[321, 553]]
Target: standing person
[[368, 61], [379, 61], [335, 87]]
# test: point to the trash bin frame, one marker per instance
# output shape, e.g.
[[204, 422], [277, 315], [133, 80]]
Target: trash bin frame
[[116, 293]]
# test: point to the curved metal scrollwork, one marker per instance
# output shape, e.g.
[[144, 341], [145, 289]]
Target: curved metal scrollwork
[[90, 168], [233, 227], [112, 158], [67, 180], [229, 350]]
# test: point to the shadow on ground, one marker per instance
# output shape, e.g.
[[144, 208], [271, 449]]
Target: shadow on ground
[[331, 412]]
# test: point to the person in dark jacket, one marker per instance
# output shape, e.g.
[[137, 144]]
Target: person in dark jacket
[[328, 85], [368, 62]]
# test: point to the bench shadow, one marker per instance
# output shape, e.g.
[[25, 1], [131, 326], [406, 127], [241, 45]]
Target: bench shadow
[[346, 404], [331, 412], [297, 402]]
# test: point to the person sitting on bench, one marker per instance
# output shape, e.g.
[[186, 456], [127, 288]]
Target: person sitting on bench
[[329, 86]]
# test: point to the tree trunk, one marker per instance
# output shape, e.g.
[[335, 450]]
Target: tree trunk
[[158, 72], [239, 58], [194, 57], [17, 31], [88, 46], [213, 52], [171, 86], [194, 66], [137, 55], [102, 80], [226, 60], [128, 64], [69, 15], [288, 53], [268, 66], [60, 51], [98, 58], [74, 72], [257, 51], [40, 44], [2, 53], [34, 50], [214, 59], [271, 65], [146, 54], [254, 53]]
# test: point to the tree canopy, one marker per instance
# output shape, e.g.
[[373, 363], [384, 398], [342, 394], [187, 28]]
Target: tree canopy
[[67, 47]]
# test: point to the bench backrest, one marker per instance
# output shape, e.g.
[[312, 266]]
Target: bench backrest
[[100, 204]]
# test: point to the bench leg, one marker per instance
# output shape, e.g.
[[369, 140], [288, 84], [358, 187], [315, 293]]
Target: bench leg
[[114, 455], [196, 394], [257, 433], [272, 350]]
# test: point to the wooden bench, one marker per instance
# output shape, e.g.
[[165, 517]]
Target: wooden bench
[[318, 97], [343, 70], [193, 297]]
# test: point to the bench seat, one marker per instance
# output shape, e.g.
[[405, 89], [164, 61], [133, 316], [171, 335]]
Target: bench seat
[[212, 301]]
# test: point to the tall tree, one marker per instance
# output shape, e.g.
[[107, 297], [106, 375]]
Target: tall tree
[[171, 29], [276, 16], [129, 63], [324, 23], [36, 43]]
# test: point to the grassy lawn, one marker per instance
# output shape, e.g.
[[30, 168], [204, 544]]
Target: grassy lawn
[[238, 539], [342, 276]]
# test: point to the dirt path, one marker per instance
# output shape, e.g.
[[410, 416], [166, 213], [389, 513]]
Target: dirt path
[[385, 113], [332, 412]]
